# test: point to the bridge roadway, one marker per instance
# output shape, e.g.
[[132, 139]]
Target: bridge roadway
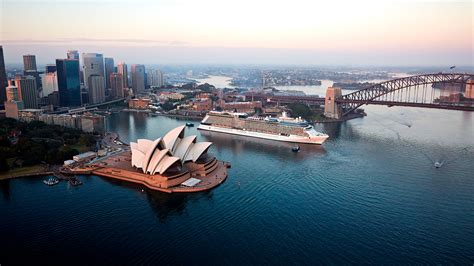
[[454, 106], [316, 100], [88, 107], [309, 99], [404, 88]]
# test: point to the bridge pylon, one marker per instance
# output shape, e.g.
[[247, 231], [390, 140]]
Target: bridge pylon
[[331, 108]]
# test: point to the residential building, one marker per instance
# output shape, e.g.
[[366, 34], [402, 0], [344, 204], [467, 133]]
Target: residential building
[[12, 109], [164, 96], [202, 105], [93, 123], [29, 115], [155, 78], [244, 107], [139, 103]]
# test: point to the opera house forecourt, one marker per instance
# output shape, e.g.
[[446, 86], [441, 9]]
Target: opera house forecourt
[[173, 163]]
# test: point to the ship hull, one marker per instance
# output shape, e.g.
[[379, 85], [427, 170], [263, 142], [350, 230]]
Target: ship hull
[[318, 140]]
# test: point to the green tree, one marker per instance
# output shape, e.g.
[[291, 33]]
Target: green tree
[[86, 140], [299, 109], [4, 167], [167, 106], [65, 153]]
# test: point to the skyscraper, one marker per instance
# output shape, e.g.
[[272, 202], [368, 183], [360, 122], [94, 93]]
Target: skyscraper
[[109, 69], [3, 77], [29, 63], [93, 65], [12, 93], [50, 68], [116, 85], [73, 54], [155, 78], [96, 89], [12, 104], [122, 69], [50, 83], [27, 91], [138, 78], [69, 85]]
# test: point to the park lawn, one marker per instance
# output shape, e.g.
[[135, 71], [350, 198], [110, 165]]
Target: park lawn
[[21, 171]]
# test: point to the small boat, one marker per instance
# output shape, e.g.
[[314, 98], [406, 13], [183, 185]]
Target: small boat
[[75, 181], [189, 124], [438, 164], [295, 149], [51, 181]]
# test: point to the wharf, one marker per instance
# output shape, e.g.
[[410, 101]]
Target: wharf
[[210, 172]]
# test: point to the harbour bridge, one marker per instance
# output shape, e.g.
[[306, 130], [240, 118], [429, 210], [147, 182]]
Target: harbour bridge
[[454, 91]]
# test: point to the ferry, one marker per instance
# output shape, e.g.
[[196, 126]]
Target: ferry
[[51, 181], [283, 128]]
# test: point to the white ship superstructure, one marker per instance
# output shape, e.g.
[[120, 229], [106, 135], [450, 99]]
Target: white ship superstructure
[[295, 130]]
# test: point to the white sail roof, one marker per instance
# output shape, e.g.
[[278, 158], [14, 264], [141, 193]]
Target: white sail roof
[[196, 151], [143, 144], [157, 156], [149, 153], [166, 163], [183, 147], [170, 138], [155, 160], [137, 155]]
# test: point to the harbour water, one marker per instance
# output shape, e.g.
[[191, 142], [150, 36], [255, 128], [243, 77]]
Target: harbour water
[[371, 194], [224, 82]]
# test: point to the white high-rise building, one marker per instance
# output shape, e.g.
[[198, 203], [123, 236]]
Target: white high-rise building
[[155, 78], [96, 89], [93, 65], [50, 83]]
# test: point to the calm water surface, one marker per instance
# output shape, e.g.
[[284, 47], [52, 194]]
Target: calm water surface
[[369, 195]]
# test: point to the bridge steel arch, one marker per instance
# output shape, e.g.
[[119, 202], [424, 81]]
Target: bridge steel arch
[[350, 102]]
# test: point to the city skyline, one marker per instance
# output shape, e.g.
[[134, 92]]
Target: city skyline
[[213, 32]]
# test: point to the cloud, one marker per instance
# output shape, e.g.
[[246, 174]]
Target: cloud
[[96, 41]]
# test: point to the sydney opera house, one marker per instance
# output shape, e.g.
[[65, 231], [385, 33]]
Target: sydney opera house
[[173, 163]]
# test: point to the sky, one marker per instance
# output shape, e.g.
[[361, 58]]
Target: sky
[[303, 32]]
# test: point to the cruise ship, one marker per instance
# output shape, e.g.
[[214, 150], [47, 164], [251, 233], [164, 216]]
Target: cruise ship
[[284, 128]]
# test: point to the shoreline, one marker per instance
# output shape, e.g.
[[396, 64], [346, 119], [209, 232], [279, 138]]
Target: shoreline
[[193, 117], [25, 172], [346, 118]]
